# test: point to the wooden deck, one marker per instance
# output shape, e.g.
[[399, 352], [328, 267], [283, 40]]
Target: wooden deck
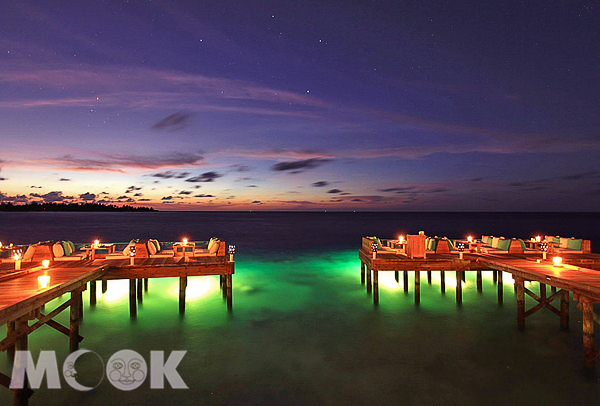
[[579, 275]]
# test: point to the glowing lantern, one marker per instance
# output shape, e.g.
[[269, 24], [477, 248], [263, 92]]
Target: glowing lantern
[[461, 248], [231, 252], [401, 239], [185, 241], [46, 263], [557, 261], [131, 255], [538, 238], [374, 249], [469, 239], [544, 248], [96, 243], [43, 281]]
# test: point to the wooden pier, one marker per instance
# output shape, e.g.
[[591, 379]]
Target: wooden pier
[[23, 298], [579, 275]]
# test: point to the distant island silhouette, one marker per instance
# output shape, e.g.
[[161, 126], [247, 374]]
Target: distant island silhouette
[[70, 207]]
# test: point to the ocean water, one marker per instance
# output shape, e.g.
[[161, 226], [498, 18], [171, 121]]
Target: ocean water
[[303, 330]]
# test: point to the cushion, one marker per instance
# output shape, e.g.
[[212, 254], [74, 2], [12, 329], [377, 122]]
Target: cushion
[[574, 244], [215, 247], [156, 244], [503, 244], [213, 241], [556, 241], [58, 250], [66, 248], [522, 244], [450, 245], [28, 254], [495, 241], [432, 246], [563, 242], [72, 246], [151, 247]]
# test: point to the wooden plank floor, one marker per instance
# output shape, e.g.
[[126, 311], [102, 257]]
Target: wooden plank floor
[[20, 294], [165, 267]]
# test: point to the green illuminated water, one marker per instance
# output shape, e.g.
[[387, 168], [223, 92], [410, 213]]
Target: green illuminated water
[[304, 331]]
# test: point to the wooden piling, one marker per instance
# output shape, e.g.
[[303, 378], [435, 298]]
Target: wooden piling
[[429, 277], [417, 287], [132, 301], [459, 287], [104, 285], [443, 281], [405, 281], [479, 282], [500, 288], [362, 273], [397, 276], [92, 293], [564, 310], [140, 290], [146, 285], [229, 282], [520, 303], [494, 276], [21, 396], [375, 287], [553, 289], [74, 320], [10, 330], [588, 333], [182, 286], [368, 280]]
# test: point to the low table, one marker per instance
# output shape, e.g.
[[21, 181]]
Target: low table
[[104, 249]]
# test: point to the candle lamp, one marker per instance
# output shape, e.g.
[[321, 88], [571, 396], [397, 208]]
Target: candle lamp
[[43, 281], [17, 256], [185, 241], [469, 238], [131, 255], [461, 248], [544, 248], [374, 249], [231, 252], [557, 261], [46, 263], [538, 238], [401, 239], [96, 243]]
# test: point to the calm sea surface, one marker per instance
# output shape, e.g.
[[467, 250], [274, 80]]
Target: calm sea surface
[[303, 330]]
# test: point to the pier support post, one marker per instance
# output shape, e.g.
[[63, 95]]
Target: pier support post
[[494, 276], [443, 281], [500, 288], [368, 280], [182, 286], [459, 279], [140, 290], [479, 282], [588, 333], [362, 273], [564, 310], [429, 277], [104, 285], [553, 289], [21, 396], [92, 293], [397, 276], [74, 320], [229, 282], [405, 281], [375, 287], [146, 285], [520, 303], [10, 330], [132, 304], [417, 287]]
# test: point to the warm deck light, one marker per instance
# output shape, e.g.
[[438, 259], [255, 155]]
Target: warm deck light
[[538, 238], [469, 238], [96, 243], [461, 248], [231, 252], [43, 281], [544, 248], [557, 261], [185, 241], [131, 255], [46, 263], [17, 258], [401, 239], [374, 249]]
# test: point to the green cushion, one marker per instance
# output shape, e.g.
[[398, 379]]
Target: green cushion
[[556, 241], [156, 244], [503, 244], [574, 244], [66, 248], [72, 246], [522, 244], [432, 244], [379, 245], [450, 245]]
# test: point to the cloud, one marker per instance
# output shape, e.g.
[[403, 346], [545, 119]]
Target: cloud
[[251, 186], [132, 189], [299, 166], [35, 187], [167, 198], [174, 122], [320, 183], [64, 180], [123, 197], [1, 178], [399, 190], [13, 199], [108, 162], [144, 200], [241, 168], [51, 197], [356, 200], [138, 195], [87, 196], [335, 191], [185, 192], [205, 177], [203, 195], [170, 174], [476, 179], [257, 202]]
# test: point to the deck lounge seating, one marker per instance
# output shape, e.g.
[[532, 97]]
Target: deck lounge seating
[[214, 248], [147, 248], [569, 245], [53, 251]]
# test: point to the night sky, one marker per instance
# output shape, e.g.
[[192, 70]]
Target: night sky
[[296, 105]]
